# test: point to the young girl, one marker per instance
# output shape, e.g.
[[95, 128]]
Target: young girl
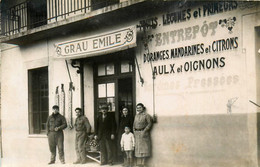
[[127, 145]]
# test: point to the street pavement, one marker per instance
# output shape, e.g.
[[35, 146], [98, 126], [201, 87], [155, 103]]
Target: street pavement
[[90, 163]]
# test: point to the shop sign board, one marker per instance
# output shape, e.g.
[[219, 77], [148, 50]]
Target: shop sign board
[[98, 44]]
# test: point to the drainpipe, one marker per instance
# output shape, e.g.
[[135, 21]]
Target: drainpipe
[[146, 39]]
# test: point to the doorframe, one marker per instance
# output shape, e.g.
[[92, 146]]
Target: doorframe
[[116, 58]]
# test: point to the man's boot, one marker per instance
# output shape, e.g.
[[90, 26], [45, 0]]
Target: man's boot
[[84, 161], [62, 160], [53, 157], [51, 162], [77, 162]]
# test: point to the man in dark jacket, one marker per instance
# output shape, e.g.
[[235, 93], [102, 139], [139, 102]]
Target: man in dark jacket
[[105, 132], [55, 125], [82, 128]]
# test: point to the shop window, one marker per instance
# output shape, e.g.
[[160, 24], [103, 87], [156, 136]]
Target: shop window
[[110, 69], [38, 97], [126, 66], [106, 95], [106, 69]]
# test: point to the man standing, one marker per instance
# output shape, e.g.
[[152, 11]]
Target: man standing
[[105, 132], [82, 128], [55, 125]]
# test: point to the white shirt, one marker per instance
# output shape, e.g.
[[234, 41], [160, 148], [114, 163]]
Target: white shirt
[[128, 141]]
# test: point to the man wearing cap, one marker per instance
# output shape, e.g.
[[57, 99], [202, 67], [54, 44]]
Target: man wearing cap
[[82, 128], [55, 125], [105, 133]]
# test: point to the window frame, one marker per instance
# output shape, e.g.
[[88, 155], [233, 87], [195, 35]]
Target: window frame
[[38, 96]]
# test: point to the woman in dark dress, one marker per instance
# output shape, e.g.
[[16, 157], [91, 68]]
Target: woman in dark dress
[[125, 120]]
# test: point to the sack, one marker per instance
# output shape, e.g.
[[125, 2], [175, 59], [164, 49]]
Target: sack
[[92, 144]]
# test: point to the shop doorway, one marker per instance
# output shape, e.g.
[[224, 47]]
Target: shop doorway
[[125, 95], [114, 84]]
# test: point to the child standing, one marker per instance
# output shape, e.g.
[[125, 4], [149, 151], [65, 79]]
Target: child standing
[[127, 145]]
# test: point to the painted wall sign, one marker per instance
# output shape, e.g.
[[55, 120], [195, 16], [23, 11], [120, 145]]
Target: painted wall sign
[[178, 35], [207, 9], [191, 51], [94, 45], [185, 41], [150, 23]]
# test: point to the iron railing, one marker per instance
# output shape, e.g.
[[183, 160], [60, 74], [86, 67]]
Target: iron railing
[[14, 19], [28, 15]]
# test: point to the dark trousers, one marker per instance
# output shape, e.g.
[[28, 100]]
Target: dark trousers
[[106, 148], [80, 145], [56, 139]]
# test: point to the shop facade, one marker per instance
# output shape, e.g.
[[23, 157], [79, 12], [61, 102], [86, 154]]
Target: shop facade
[[194, 65]]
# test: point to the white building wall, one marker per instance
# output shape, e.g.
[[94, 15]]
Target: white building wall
[[89, 94], [15, 124]]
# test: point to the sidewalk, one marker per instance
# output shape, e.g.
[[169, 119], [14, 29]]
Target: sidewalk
[[57, 164], [90, 164]]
